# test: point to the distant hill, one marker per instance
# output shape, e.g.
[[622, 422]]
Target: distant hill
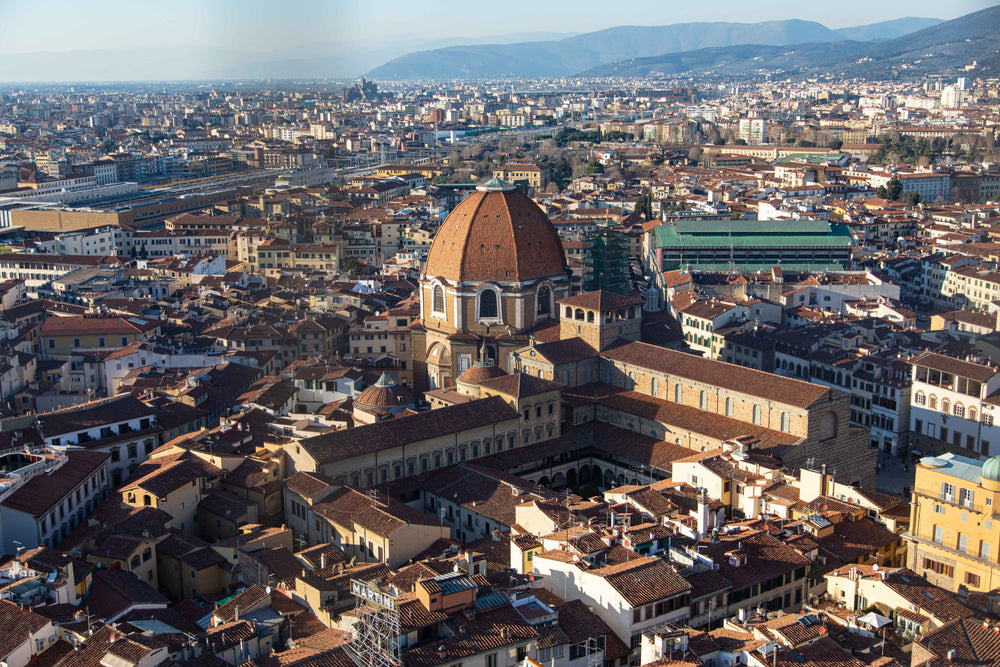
[[877, 32], [939, 48], [572, 54], [730, 60], [565, 56]]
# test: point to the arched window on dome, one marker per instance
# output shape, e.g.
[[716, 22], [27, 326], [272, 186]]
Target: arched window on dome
[[488, 307], [437, 302], [544, 299]]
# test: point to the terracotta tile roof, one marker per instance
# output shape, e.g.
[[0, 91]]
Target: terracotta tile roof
[[314, 556], [489, 630], [361, 440], [565, 351], [227, 635], [92, 415], [383, 517], [727, 376], [642, 581], [40, 493], [852, 540], [766, 557], [114, 591], [305, 657], [496, 236], [602, 300], [162, 476], [520, 385], [17, 624], [966, 369], [925, 596], [249, 600], [309, 484]]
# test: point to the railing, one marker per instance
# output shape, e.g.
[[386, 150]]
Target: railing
[[22, 475]]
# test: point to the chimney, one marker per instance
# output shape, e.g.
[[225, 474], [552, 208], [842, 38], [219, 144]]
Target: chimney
[[951, 655], [702, 512], [322, 561], [236, 612]]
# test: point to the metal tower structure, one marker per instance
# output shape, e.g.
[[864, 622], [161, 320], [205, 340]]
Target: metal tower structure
[[376, 633]]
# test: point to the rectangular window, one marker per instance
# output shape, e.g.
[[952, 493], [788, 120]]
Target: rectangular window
[[972, 579], [965, 497], [984, 549], [939, 534], [947, 492], [940, 568], [963, 542]]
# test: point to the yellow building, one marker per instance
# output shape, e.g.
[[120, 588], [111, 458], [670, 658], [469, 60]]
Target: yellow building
[[64, 335], [954, 537], [523, 171]]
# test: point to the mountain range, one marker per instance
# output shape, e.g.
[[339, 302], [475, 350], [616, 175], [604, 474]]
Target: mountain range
[[937, 48], [160, 62], [567, 56]]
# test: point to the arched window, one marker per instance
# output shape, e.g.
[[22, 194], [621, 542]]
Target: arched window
[[654, 386], [488, 308], [678, 393], [785, 422], [972, 414], [729, 407], [544, 300], [921, 398], [438, 301], [945, 406], [703, 400], [959, 410], [590, 316], [932, 402], [146, 500], [756, 414], [569, 312], [631, 380]]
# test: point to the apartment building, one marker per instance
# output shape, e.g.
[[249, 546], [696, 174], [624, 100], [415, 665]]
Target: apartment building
[[953, 404], [954, 537]]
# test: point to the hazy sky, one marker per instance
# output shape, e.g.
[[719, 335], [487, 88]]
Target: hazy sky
[[268, 25]]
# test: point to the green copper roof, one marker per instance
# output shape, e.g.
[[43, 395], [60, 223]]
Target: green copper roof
[[756, 267], [756, 235], [752, 226]]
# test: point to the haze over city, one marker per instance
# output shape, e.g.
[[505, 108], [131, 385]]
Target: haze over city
[[562, 334]]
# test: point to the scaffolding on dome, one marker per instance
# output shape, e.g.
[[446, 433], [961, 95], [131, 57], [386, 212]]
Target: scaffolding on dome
[[376, 633]]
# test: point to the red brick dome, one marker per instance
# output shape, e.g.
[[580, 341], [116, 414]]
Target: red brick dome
[[496, 234]]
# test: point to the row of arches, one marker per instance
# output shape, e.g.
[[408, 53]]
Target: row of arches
[[439, 458], [756, 416], [947, 407], [488, 299], [587, 475]]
